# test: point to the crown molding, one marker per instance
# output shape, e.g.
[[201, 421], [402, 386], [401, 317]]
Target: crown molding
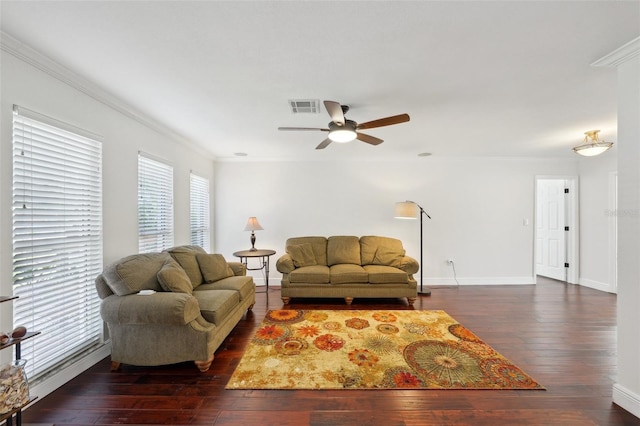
[[45, 64], [620, 55]]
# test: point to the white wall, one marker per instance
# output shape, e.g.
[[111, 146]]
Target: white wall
[[626, 391], [596, 217], [478, 206], [30, 87]]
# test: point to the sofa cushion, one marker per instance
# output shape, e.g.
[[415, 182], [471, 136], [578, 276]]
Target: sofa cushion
[[302, 255], [217, 305], [213, 267], [102, 287], [348, 273], [186, 257], [343, 249], [173, 278], [317, 274], [369, 245], [388, 256], [318, 244], [380, 274], [134, 273], [242, 284]]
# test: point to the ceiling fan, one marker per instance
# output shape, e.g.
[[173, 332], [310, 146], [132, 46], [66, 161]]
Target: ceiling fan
[[343, 130]]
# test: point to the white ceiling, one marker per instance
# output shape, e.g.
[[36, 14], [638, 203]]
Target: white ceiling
[[504, 78]]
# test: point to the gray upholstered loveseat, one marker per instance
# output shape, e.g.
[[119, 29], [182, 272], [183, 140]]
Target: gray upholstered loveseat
[[195, 300], [347, 267]]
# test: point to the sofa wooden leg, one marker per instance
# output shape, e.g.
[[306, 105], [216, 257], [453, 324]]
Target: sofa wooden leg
[[286, 300], [411, 300], [115, 366], [250, 307], [348, 300], [204, 365]]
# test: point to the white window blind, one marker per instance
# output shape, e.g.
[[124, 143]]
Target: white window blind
[[57, 238], [155, 205], [199, 214]]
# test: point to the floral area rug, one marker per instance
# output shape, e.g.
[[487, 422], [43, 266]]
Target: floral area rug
[[374, 349]]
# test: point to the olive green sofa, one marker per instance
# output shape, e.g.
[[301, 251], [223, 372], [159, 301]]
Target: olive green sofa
[[174, 306], [347, 267]]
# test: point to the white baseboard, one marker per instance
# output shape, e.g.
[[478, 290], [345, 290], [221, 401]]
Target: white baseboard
[[626, 399], [52, 383], [260, 281], [478, 281], [596, 285]]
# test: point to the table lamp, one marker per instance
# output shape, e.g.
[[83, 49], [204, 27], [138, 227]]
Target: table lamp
[[253, 225]]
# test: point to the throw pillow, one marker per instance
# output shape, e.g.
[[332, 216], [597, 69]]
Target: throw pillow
[[388, 257], [173, 278], [186, 257], [302, 255], [214, 267], [134, 273], [343, 249]]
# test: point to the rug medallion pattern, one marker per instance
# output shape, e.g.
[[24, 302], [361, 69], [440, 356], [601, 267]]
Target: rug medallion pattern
[[358, 349]]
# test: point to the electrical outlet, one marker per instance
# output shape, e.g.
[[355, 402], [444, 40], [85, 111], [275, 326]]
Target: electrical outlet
[[449, 261]]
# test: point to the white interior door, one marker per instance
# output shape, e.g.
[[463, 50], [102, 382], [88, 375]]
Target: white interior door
[[551, 248]]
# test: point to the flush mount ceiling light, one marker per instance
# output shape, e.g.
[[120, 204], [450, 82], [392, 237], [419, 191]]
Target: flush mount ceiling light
[[592, 145]]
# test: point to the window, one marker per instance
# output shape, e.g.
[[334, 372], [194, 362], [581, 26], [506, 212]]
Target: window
[[155, 205], [199, 215], [57, 238]]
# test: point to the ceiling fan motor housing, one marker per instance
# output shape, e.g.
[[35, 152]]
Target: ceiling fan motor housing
[[348, 125]]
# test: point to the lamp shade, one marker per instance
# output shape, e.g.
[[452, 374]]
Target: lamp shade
[[406, 210], [253, 225]]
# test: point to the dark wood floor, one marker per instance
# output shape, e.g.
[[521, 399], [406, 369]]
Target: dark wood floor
[[562, 335]]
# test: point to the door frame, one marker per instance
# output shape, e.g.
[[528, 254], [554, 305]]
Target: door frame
[[571, 211], [613, 232]]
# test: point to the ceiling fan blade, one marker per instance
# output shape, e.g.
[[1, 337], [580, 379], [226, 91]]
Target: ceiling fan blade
[[369, 139], [335, 111], [303, 128], [387, 121], [324, 144]]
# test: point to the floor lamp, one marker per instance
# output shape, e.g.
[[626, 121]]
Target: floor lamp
[[409, 210]]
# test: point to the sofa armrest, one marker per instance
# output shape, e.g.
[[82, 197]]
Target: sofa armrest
[[285, 264], [409, 265], [239, 269], [158, 308]]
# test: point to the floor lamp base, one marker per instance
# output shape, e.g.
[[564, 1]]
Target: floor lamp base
[[425, 291]]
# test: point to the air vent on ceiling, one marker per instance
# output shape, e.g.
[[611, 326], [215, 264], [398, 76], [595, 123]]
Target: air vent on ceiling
[[305, 106]]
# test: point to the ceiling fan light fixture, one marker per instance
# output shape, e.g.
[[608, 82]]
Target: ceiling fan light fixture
[[342, 135], [592, 145]]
